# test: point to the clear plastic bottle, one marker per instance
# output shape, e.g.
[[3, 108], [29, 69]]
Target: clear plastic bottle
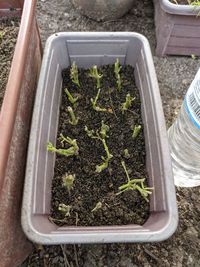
[[184, 139]]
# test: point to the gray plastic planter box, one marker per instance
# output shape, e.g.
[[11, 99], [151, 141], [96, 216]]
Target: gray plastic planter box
[[177, 29], [87, 49]]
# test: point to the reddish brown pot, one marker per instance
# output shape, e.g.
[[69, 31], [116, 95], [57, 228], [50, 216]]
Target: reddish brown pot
[[15, 118]]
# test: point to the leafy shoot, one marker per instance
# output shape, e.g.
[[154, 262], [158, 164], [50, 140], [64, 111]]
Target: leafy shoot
[[68, 181], [97, 207], [101, 136], [71, 151], [135, 184], [71, 99], [93, 73], [117, 70], [73, 120], [136, 131], [74, 74], [127, 104], [65, 209]]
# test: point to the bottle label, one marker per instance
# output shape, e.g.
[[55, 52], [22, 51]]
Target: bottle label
[[192, 100]]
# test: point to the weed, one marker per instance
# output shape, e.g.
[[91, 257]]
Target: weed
[[97, 207], [71, 99], [135, 184], [127, 104], [71, 151], [93, 73], [117, 70], [74, 74], [136, 130], [74, 120]]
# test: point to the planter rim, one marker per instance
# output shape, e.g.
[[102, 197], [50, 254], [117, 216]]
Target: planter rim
[[169, 218], [172, 8], [12, 93]]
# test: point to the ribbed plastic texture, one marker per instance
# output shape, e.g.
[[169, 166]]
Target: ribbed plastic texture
[[177, 29], [184, 139], [87, 49]]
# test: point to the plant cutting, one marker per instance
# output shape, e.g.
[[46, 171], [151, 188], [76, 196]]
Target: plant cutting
[[177, 27], [97, 212]]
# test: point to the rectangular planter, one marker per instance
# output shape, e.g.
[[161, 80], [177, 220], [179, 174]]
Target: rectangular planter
[[87, 49], [15, 117], [177, 29]]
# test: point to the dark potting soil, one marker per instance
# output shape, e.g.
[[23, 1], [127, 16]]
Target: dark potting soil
[[9, 28], [89, 186]]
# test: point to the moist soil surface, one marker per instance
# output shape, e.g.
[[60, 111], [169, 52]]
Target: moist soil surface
[[174, 77], [91, 187], [8, 35]]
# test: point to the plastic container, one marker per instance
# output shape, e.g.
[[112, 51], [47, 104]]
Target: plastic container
[[15, 116], [87, 49], [177, 29], [184, 139], [104, 9]]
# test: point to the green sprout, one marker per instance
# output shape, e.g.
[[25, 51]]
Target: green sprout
[[126, 154], [1, 34], [71, 99], [97, 207], [136, 130], [73, 120], [74, 74], [71, 151], [94, 103], [135, 184], [93, 73], [68, 181], [65, 209], [126, 105], [102, 136], [117, 70]]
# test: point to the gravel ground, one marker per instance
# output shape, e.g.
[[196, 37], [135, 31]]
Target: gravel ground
[[174, 76]]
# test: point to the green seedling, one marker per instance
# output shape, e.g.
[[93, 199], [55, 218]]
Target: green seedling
[[136, 130], [93, 73], [101, 136], [135, 184], [71, 99], [117, 70], [74, 74], [94, 103], [65, 209], [1, 35], [97, 207], [71, 151], [68, 181], [126, 154], [127, 104], [73, 120]]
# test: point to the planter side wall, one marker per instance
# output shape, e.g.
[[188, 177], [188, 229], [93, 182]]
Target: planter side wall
[[87, 49], [176, 34], [14, 247]]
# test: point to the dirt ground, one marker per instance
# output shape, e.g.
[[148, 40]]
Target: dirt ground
[[174, 76]]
